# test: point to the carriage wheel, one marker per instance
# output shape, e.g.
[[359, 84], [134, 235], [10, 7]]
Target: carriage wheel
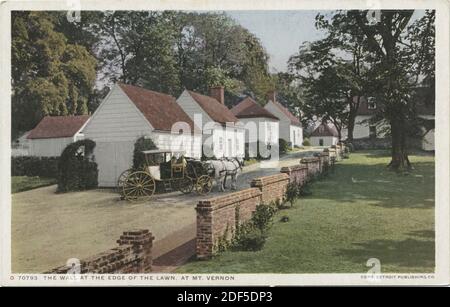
[[185, 185], [121, 180], [203, 185], [138, 184]]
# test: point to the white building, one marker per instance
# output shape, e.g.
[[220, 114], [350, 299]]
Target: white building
[[367, 109], [223, 136], [290, 127], [128, 113], [54, 133], [262, 127], [324, 135], [21, 145]]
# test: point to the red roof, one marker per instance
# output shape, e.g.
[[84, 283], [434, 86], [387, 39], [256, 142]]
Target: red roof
[[216, 110], [294, 120], [325, 130], [160, 110], [248, 108], [58, 127]]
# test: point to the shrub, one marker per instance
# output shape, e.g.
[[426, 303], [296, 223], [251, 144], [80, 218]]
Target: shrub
[[304, 190], [35, 166], [75, 169], [292, 192], [262, 217], [252, 241], [306, 142], [252, 235], [283, 146], [141, 144]]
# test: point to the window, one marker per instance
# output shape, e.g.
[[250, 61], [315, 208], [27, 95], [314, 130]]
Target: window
[[230, 148], [320, 142], [236, 141], [220, 143], [373, 131], [371, 104]]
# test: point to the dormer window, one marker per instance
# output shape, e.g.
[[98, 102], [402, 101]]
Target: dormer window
[[371, 104]]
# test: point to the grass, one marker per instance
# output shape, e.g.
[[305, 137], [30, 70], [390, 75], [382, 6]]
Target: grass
[[250, 161], [360, 211], [24, 183]]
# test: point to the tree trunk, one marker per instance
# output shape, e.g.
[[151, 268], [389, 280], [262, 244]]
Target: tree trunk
[[399, 154], [350, 128]]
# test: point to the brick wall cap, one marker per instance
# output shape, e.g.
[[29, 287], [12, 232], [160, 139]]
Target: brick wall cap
[[309, 159], [225, 200], [266, 180]]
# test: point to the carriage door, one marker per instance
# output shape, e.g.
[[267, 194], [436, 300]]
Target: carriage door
[[112, 159]]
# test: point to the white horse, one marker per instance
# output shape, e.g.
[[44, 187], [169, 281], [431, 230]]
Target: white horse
[[221, 169]]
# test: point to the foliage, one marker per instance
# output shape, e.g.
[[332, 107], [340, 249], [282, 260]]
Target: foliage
[[141, 144], [50, 76], [253, 240], [283, 146], [252, 235], [76, 170], [262, 217], [306, 142], [168, 51], [403, 60], [34, 166], [25, 183], [292, 192]]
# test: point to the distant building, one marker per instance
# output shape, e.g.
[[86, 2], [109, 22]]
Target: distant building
[[262, 127], [368, 108], [324, 135], [54, 133], [290, 126], [21, 145], [222, 134]]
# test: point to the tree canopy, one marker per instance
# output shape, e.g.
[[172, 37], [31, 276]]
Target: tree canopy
[[49, 75]]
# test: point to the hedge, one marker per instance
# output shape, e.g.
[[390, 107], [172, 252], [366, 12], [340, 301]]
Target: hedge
[[141, 144], [283, 146], [76, 171], [34, 166]]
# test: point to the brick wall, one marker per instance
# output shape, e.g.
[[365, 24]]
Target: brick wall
[[324, 161], [216, 218], [272, 187], [313, 165], [133, 255], [297, 173]]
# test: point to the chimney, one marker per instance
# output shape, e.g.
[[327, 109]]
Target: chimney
[[272, 96], [218, 93]]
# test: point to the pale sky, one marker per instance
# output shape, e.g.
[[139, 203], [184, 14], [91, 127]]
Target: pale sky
[[282, 32]]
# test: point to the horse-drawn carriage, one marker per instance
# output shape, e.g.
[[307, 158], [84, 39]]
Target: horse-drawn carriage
[[171, 169]]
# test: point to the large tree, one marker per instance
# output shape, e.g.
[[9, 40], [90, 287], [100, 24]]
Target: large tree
[[403, 59], [49, 75], [333, 72], [167, 51]]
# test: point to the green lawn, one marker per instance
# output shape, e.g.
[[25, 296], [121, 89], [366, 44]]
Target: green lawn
[[24, 183], [360, 211]]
